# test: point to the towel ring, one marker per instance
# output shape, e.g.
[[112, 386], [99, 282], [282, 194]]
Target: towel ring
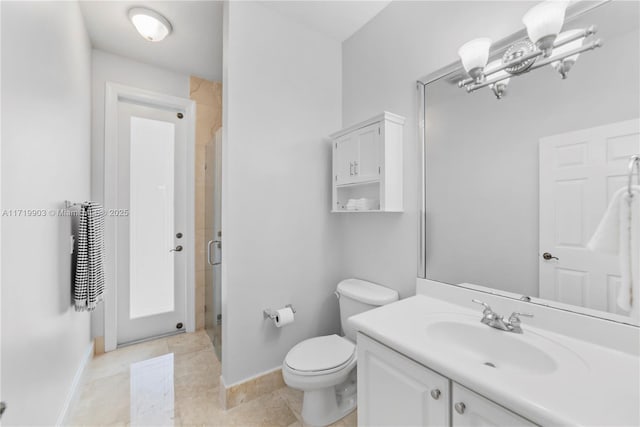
[[634, 162]]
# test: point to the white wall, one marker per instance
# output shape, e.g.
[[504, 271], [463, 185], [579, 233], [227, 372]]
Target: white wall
[[46, 66], [281, 98], [381, 63], [107, 67]]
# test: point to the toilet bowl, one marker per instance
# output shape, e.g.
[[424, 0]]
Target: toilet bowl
[[324, 367]]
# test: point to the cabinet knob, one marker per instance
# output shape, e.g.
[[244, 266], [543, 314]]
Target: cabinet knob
[[460, 407], [435, 393]]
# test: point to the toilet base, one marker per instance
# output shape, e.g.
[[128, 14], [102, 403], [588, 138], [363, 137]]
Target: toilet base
[[328, 405]]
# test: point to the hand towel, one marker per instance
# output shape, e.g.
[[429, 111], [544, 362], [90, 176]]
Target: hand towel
[[89, 277], [619, 233]]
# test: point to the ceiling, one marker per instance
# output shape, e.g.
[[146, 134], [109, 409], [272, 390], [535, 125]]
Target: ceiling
[[337, 19], [195, 45], [193, 48]]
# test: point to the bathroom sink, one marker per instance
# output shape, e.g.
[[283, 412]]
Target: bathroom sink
[[526, 353]]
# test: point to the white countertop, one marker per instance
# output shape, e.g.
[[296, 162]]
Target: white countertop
[[603, 391]]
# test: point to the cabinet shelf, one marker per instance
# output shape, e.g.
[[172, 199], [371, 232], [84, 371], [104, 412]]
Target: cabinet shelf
[[367, 165], [354, 184]]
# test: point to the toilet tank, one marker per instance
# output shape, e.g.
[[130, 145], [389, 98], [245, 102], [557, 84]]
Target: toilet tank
[[357, 296]]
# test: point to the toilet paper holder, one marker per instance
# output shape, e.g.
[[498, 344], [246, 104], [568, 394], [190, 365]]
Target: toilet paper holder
[[270, 314]]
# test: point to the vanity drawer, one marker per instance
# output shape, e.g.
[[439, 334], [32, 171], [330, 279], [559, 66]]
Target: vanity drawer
[[471, 409]]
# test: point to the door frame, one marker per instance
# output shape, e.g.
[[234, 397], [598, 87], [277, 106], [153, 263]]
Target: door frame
[[115, 93]]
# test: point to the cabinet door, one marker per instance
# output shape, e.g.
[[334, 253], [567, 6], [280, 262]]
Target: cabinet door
[[471, 409], [369, 148], [396, 391], [345, 153]]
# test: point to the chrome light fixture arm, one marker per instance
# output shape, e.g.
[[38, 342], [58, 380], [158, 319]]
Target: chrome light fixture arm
[[591, 46]]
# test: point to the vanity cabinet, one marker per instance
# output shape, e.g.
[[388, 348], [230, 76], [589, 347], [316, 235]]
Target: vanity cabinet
[[367, 166], [394, 390]]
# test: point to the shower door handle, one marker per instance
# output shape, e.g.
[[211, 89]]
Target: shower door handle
[[218, 244]]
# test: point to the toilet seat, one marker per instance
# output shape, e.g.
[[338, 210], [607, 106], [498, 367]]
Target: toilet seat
[[320, 355]]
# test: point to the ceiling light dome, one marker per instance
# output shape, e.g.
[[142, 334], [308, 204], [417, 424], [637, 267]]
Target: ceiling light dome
[[150, 24]]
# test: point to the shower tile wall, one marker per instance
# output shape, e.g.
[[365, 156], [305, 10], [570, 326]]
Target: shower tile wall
[[208, 98]]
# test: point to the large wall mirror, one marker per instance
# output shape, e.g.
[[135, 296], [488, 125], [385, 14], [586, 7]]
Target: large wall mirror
[[516, 187]]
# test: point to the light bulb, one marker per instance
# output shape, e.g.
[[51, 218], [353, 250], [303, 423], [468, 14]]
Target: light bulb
[[544, 22], [563, 66], [474, 55], [499, 88], [150, 24]]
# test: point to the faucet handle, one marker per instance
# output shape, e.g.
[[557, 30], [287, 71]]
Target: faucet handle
[[487, 307], [515, 317]]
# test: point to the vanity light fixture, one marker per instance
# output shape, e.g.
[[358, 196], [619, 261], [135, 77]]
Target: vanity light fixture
[[499, 88], [544, 22], [564, 65], [474, 55], [150, 24], [545, 45]]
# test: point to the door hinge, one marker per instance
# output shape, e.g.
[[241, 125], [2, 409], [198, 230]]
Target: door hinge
[[378, 131], [336, 178], [336, 145], [379, 168]]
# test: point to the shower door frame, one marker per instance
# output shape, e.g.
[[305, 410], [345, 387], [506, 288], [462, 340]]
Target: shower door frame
[[114, 93]]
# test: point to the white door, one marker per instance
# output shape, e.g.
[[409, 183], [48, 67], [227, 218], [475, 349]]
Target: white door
[[396, 391], [151, 266], [579, 172], [471, 409]]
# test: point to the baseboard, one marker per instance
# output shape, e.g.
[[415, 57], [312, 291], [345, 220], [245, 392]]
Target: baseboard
[[236, 394], [73, 393]]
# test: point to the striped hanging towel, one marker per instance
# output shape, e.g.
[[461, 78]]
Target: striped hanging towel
[[89, 279]]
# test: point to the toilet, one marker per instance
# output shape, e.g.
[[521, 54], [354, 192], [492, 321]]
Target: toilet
[[324, 368]]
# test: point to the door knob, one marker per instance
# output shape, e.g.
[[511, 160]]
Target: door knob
[[176, 249], [548, 256], [435, 393], [460, 407]]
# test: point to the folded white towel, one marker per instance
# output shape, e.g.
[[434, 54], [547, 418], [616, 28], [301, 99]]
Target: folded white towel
[[619, 233]]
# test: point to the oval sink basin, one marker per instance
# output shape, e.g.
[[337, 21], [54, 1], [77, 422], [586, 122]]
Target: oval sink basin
[[492, 347]]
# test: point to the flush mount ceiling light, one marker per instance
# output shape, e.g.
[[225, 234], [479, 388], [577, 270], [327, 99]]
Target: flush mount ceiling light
[[150, 24], [545, 45]]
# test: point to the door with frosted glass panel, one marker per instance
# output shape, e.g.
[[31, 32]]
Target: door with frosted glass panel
[[151, 261]]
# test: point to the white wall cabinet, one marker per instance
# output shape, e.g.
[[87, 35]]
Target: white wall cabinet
[[367, 165], [394, 390]]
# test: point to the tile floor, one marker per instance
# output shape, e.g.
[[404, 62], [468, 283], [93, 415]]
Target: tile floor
[[174, 381]]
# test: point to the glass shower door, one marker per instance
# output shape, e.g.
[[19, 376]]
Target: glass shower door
[[213, 239]]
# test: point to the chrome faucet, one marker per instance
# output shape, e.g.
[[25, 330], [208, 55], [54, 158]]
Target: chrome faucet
[[493, 319]]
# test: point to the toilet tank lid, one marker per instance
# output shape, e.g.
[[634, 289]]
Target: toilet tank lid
[[367, 292]]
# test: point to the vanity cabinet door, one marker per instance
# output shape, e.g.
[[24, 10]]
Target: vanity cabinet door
[[471, 409], [396, 391]]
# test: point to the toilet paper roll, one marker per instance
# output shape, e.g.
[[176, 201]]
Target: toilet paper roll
[[284, 316]]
